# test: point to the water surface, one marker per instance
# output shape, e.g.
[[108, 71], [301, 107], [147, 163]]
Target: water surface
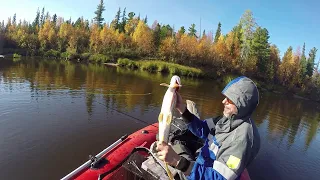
[[54, 114]]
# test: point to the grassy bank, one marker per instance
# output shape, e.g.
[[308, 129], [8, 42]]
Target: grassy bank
[[160, 66], [154, 66]]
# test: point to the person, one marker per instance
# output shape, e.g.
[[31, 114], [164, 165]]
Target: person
[[231, 141]]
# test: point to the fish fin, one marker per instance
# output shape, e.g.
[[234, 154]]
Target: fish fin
[[164, 84], [160, 118], [169, 119], [176, 86]]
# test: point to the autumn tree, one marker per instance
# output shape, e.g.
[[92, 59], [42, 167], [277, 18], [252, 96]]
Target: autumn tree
[[131, 25], [108, 39], [233, 47], [64, 36], [186, 48], [143, 38], [47, 36], [286, 67], [274, 63], [203, 49], [168, 48], [95, 38], [220, 53], [79, 38]]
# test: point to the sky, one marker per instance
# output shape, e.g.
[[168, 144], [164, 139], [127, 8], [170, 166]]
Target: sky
[[289, 22]]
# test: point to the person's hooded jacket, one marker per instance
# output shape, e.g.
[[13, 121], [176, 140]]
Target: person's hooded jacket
[[230, 143]]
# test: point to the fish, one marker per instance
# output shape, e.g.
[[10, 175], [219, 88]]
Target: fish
[[166, 113]]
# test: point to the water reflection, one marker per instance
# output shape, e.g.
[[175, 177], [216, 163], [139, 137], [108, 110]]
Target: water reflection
[[284, 123]]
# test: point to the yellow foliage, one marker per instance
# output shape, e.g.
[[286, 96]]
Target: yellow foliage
[[167, 48], [47, 35], [142, 36], [95, 38], [187, 47], [203, 49], [108, 38], [131, 26], [220, 49], [65, 31]]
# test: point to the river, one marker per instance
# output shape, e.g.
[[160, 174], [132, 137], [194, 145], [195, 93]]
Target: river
[[54, 114]]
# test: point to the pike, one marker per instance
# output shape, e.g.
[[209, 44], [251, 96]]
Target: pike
[[166, 113]]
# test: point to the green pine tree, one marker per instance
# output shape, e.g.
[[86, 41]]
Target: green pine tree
[[303, 63], [192, 30], [54, 19], [311, 59], [14, 19], [218, 33], [36, 22], [131, 15], [100, 8], [248, 25], [260, 49], [77, 23], [47, 16], [182, 30], [146, 19], [124, 21], [116, 22], [42, 17], [204, 33], [157, 35]]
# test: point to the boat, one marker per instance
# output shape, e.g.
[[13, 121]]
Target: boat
[[112, 162]]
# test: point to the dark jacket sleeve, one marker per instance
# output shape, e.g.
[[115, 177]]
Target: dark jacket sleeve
[[198, 127]]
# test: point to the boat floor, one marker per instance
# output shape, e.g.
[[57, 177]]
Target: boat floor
[[131, 169]]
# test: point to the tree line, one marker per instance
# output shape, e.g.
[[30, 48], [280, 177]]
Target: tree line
[[244, 50]]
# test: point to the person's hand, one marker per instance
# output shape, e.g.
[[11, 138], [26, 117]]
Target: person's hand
[[180, 106], [167, 154]]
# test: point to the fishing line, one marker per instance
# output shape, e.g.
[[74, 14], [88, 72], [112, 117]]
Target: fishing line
[[123, 113], [129, 94]]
